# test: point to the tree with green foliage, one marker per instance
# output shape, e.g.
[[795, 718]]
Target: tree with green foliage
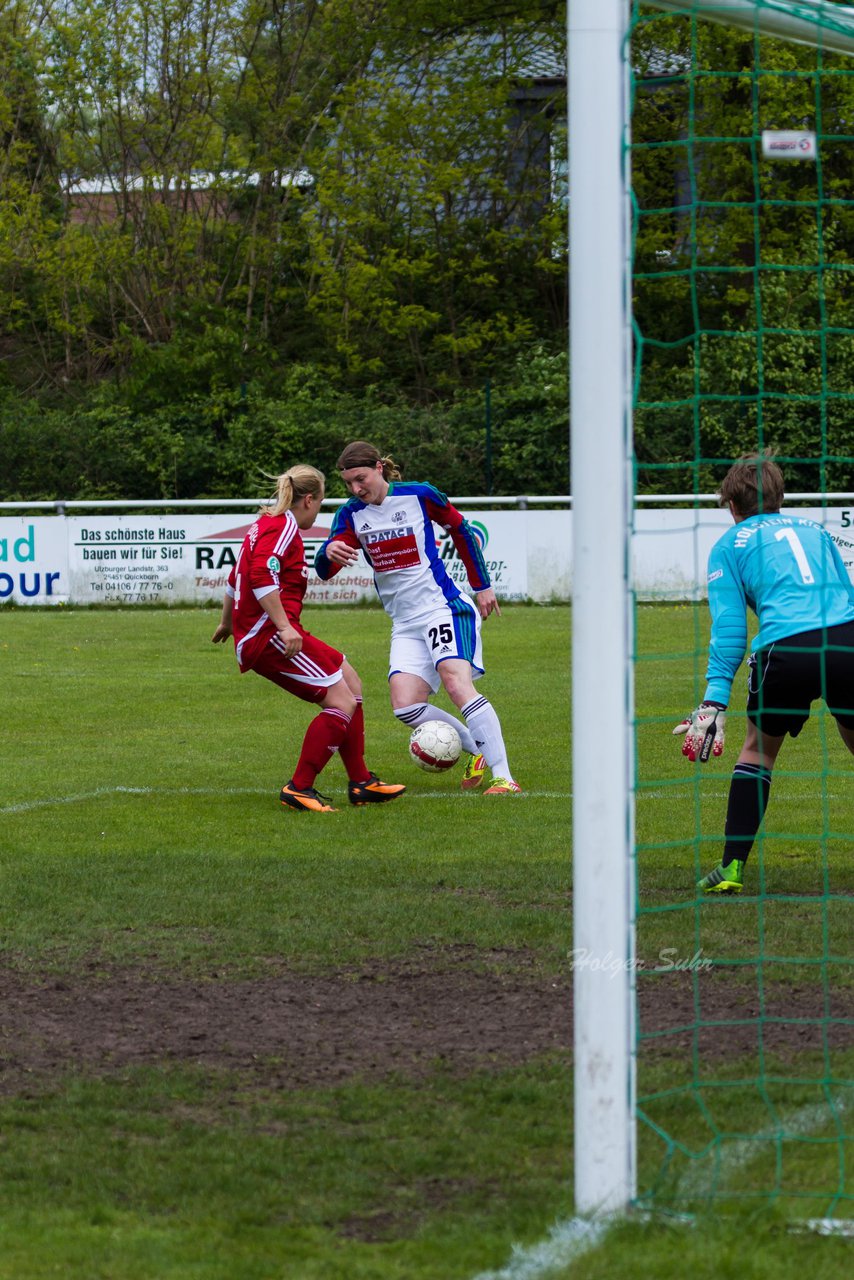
[[210, 207], [435, 254], [754, 342], [324, 180]]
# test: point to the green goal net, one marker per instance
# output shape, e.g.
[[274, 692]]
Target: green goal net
[[742, 163]]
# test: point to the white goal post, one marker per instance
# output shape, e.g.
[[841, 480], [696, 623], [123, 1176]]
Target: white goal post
[[601, 448], [812, 22], [602, 700]]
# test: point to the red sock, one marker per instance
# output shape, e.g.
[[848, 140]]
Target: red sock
[[322, 739], [353, 747]]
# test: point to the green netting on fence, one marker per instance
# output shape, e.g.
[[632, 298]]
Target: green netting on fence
[[744, 339]]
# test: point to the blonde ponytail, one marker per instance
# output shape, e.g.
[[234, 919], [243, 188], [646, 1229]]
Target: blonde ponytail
[[292, 485]]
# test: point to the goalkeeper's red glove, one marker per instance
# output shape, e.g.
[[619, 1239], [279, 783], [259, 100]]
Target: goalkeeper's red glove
[[704, 731]]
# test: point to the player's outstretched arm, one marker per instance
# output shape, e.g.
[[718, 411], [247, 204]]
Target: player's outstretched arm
[[224, 627], [341, 549]]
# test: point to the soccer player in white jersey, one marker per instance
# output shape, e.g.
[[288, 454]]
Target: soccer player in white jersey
[[788, 570], [435, 636], [261, 609]]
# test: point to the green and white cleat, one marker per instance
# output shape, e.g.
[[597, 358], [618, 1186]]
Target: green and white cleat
[[503, 787], [473, 774], [724, 879]]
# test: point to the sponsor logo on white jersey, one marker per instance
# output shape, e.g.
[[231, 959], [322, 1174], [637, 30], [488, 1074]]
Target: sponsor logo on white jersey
[[385, 535]]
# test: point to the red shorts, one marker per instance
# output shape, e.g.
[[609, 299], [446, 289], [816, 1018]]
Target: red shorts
[[309, 674]]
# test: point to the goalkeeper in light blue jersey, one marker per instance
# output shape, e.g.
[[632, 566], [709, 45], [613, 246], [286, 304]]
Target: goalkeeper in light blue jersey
[[788, 570]]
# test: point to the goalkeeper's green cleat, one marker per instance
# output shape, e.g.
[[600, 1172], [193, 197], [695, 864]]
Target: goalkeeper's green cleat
[[724, 879]]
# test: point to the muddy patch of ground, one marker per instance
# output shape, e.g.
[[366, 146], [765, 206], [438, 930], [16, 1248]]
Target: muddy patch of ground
[[296, 1030], [292, 1028]]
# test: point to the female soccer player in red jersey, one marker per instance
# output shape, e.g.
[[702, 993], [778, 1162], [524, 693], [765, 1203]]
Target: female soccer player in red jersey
[[435, 635], [261, 609]]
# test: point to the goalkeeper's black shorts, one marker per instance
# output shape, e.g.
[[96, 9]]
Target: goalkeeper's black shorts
[[788, 676]]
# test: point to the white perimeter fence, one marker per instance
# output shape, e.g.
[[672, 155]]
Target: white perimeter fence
[[142, 557]]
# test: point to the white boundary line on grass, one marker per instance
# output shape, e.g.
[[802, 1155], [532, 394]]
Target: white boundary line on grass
[[569, 1240], [26, 806], [698, 1180], [48, 801], [566, 1242]]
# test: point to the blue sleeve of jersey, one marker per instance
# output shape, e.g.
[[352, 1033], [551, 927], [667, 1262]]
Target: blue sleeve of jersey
[[426, 491], [343, 531], [728, 607], [323, 566]]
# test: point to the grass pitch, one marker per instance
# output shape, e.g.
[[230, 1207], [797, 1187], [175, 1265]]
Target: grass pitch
[[141, 839], [140, 803]]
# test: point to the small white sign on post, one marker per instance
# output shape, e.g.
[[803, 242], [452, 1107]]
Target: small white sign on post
[[789, 144]]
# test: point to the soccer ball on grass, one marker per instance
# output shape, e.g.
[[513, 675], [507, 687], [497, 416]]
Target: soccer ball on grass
[[435, 746]]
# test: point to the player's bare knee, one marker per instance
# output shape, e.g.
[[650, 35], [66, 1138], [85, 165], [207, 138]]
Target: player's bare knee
[[458, 688], [351, 676], [341, 697]]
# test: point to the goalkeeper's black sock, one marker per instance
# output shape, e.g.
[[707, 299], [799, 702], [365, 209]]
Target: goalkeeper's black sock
[[749, 789]]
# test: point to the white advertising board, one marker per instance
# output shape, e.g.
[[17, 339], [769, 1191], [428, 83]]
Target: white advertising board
[[670, 549], [186, 559], [34, 560]]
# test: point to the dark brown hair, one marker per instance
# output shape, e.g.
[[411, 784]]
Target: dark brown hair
[[361, 454], [753, 484]]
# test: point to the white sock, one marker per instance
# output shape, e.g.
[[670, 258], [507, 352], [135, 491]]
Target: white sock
[[486, 731], [420, 712]]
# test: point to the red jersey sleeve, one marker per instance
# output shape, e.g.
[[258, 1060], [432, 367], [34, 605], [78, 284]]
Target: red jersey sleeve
[[440, 510]]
